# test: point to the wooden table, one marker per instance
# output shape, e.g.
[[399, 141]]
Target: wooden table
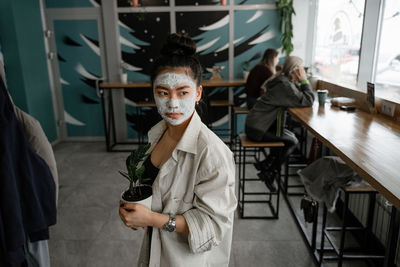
[[370, 144], [108, 116]]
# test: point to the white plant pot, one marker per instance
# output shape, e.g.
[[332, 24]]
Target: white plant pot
[[146, 202]]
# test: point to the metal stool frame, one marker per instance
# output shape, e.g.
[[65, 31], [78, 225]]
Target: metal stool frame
[[243, 179], [340, 251]]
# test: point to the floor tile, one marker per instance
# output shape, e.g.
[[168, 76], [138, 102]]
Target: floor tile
[[89, 231], [271, 254], [76, 223]]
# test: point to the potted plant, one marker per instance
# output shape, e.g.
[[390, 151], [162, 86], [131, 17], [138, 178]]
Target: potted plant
[[138, 192], [286, 10]]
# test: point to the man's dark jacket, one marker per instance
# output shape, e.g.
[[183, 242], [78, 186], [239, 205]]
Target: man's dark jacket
[[27, 189]]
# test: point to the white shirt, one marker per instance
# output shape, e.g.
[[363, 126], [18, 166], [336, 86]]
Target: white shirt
[[198, 182]]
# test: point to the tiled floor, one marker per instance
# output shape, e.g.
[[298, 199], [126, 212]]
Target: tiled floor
[[89, 231]]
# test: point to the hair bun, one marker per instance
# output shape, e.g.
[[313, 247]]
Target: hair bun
[[179, 45]]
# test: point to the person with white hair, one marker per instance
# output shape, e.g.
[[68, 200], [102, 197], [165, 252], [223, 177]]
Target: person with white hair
[[266, 120]]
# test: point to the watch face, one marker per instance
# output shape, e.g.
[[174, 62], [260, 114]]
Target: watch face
[[170, 228], [170, 225]]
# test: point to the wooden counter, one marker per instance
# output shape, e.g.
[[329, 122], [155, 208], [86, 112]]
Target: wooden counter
[[370, 144]]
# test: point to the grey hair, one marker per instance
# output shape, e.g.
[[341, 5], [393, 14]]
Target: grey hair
[[291, 63]]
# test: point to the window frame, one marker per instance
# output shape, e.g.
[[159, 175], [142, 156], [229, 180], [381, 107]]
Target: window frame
[[369, 46]]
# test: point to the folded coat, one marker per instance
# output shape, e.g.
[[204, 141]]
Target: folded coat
[[323, 178]]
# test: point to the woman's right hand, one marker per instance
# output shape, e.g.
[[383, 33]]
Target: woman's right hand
[[134, 215], [300, 73]]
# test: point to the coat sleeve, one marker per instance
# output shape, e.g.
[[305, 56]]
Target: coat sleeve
[[286, 94], [39, 142], [305, 95], [214, 201]]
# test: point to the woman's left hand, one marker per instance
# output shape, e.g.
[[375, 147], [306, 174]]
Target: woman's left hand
[[135, 215]]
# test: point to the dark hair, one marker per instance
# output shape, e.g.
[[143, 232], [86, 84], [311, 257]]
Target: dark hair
[[178, 51], [268, 57]]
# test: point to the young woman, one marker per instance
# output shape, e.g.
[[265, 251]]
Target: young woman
[[191, 217], [265, 122], [261, 72]]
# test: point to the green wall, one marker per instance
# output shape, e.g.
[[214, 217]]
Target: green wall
[[22, 42]]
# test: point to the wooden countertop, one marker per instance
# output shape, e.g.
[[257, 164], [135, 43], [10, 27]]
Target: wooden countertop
[[145, 84], [369, 143]]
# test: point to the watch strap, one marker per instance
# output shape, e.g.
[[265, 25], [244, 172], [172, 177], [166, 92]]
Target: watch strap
[[171, 224]]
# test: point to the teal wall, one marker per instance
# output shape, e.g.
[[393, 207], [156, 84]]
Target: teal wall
[[21, 38], [22, 42], [78, 69]]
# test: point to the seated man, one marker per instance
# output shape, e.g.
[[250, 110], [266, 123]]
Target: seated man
[[265, 121]]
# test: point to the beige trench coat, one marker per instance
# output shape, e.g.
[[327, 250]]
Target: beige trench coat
[[198, 182]]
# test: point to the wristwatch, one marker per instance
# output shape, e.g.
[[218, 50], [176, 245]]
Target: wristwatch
[[170, 225]]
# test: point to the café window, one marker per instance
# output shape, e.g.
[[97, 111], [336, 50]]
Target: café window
[[387, 74], [338, 39]]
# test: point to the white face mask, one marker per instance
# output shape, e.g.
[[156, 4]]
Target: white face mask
[[183, 105]]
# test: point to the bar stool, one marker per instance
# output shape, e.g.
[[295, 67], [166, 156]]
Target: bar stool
[[340, 250], [139, 108], [296, 160], [223, 103], [236, 112], [244, 145]]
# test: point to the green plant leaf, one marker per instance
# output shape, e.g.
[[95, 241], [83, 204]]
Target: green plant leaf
[[286, 10], [146, 179], [134, 174], [142, 150], [128, 164], [139, 172], [125, 175]]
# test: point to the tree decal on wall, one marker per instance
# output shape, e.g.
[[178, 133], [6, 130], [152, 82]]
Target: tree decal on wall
[[78, 56], [142, 34]]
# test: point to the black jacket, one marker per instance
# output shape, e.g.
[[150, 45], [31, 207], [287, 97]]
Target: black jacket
[[257, 76], [27, 189]]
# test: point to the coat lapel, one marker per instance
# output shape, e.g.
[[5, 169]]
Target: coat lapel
[[187, 144]]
